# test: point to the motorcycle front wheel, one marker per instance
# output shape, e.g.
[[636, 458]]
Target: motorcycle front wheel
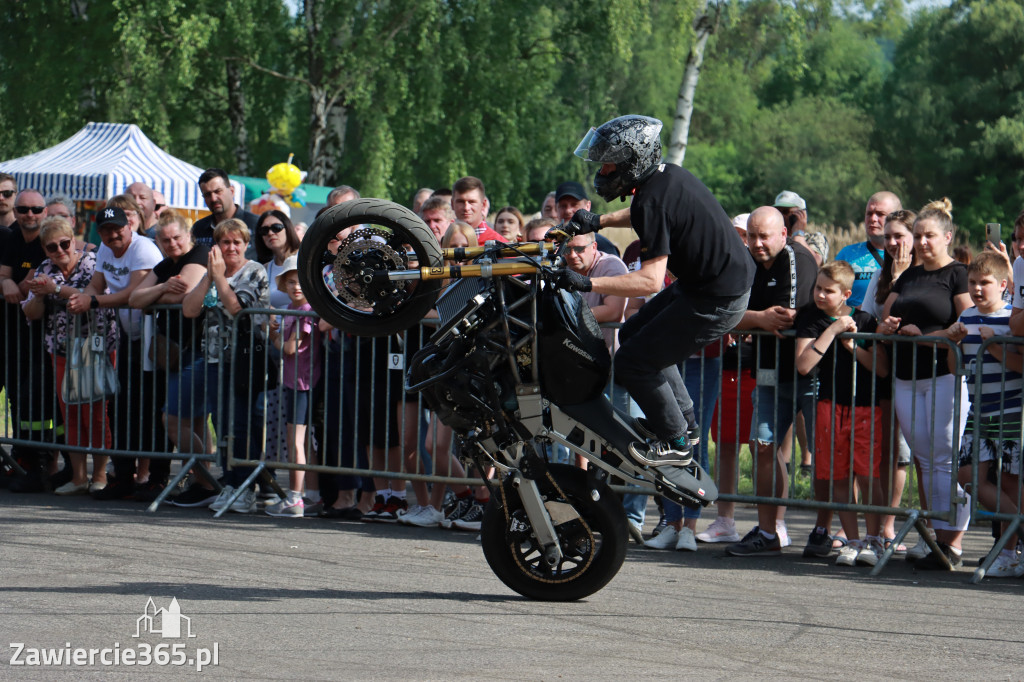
[[346, 280], [593, 545]]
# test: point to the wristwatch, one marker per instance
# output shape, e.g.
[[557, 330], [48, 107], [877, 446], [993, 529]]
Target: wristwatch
[[95, 303], [56, 290]]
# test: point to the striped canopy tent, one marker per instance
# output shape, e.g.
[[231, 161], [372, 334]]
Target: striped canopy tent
[[102, 159]]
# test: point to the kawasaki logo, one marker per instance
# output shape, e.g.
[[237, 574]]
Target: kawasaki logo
[[577, 350]]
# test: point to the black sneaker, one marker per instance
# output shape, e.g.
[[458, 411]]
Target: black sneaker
[[32, 481], [149, 491], [461, 506], [932, 562], [662, 524], [693, 435], [472, 518], [819, 545], [195, 496], [754, 543], [116, 490], [60, 478], [660, 453]]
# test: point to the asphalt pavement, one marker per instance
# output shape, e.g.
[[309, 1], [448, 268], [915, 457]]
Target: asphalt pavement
[[313, 599]]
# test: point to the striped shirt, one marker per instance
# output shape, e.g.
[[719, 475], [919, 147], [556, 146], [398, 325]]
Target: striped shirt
[[1000, 388]]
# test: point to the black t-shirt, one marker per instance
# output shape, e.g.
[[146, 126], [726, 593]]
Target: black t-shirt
[[838, 367], [778, 286], [675, 215], [174, 325], [21, 256], [202, 230], [925, 298]]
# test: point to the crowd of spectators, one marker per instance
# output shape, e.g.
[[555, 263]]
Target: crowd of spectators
[[788, 372]]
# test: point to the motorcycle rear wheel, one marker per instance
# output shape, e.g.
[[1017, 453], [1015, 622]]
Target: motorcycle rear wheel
[[593, 551], [396, 240]]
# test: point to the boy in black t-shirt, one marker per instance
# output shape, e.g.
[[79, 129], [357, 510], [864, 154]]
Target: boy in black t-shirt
[[848, 426]]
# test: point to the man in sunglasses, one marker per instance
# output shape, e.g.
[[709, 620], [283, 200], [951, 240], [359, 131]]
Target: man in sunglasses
[[29, 374], [8, 189]]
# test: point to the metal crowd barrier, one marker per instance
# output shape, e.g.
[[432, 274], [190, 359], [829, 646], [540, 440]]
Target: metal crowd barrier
[[352, 409]]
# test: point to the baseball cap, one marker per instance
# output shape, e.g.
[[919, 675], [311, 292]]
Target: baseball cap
[[788, 199], [572, 189], [290, 263], [816, 241], [740, 221], [111, 216]]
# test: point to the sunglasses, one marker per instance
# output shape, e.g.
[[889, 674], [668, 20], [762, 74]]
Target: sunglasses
[[25, 209], [266, 229], [7, 193], [579, 249], [62, 245], [157, 207]]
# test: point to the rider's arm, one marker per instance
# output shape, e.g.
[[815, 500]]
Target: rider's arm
[[643, 282], [618, 218]]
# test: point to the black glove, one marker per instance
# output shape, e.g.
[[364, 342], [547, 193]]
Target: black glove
[[584, 222], [570, 280]]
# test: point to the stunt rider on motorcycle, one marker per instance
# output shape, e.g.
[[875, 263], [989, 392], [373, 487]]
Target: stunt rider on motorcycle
[[683, 229]]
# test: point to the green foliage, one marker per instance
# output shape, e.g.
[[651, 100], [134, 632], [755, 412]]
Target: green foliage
[[952, 121], [834, 99]]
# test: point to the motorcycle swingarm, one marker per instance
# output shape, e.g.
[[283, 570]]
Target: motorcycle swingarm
[[689, 486]]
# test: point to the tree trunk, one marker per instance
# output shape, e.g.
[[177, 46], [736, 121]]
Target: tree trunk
[[703, 26], [236, 114]]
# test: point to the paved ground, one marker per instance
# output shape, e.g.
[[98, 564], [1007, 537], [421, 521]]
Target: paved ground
[[317, 600]]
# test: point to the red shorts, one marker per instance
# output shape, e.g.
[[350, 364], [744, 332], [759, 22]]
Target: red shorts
[[867, 445], [734, 411]]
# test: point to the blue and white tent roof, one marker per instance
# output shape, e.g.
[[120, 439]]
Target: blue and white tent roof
[[102, 159]]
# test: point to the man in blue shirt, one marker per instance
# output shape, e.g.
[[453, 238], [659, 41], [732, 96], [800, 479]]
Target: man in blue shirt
[[866, 257]]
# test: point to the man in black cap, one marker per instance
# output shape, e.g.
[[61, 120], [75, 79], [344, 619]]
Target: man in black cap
[[122, 262], [571, 197]]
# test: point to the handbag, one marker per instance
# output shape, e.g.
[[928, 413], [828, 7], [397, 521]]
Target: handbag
[[165, 352], [89, 375], [253, 373]]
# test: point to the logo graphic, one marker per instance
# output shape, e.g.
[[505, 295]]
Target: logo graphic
[[577, 350], [164, 622], [109, 213]]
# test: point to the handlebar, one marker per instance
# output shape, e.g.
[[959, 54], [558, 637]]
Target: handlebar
[[552, 251]]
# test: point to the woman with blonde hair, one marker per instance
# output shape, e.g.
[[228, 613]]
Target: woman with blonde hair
[[459, 234], [925, 301]]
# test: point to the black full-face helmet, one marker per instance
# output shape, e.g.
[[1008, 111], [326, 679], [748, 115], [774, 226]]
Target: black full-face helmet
[[632, 143]]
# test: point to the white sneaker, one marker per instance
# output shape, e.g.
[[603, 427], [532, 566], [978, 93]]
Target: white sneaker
[[722, 529], [848, 554], [921, 549], [1005, 566], [636, 531], [686, 541], [869, 553], [666, 539], [245, 503], [427, 517], [783, 533], [222, 498], [405, 514]]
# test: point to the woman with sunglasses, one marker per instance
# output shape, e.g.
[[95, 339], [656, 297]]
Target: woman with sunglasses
[[276, 240], [67, 271]]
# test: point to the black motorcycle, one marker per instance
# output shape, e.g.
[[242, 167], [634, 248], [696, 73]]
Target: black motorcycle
[[516, 364]]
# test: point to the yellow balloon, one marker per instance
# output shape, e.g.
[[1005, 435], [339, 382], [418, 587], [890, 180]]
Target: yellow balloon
[[284, 177]]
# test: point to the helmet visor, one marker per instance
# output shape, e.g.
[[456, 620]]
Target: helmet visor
[[597, 148]]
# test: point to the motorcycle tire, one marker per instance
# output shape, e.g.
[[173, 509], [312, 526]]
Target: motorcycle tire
[[398, 232], [592, 554]]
